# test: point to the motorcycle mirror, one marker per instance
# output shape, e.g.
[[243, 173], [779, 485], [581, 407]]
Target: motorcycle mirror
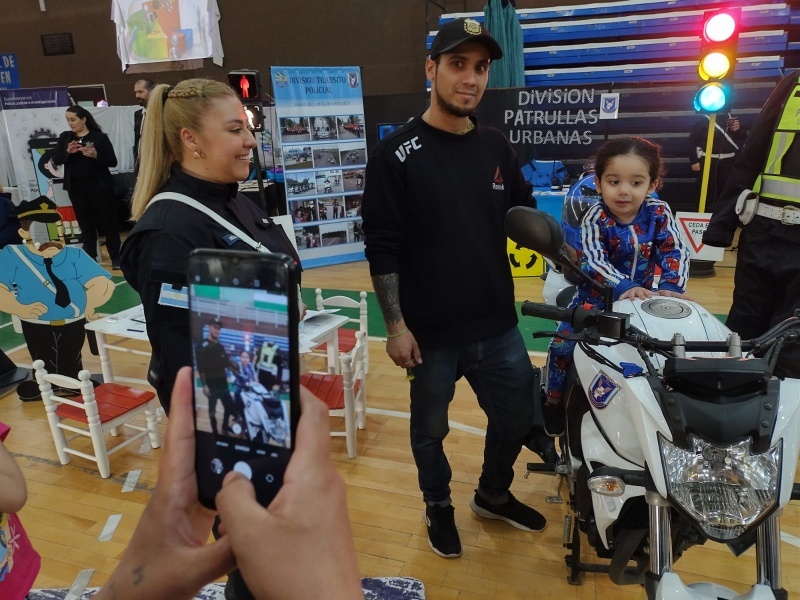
[[535, 230], [539, 231]]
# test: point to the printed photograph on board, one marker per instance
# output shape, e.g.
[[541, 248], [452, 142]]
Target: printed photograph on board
[[300, 184], [329, 182], [335, 233], [351, 127], [326, 156], [303, 211], [297, 157], [294, 129], [323, 128], [353, 180], [307, 237], [353, 155]]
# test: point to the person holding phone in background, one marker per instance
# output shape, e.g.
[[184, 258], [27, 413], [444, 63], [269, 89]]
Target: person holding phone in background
[[87, 154]]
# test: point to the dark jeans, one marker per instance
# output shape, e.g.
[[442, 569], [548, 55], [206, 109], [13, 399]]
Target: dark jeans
[[96, 209], [500, 373], [220, 393]]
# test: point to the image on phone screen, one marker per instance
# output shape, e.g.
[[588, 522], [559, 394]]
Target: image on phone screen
[[243, 373]]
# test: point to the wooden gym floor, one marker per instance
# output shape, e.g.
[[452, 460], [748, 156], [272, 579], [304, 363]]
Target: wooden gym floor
[[69, 506]]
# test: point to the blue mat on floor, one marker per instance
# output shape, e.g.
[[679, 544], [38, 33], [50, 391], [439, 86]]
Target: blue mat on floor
[[375, 588]]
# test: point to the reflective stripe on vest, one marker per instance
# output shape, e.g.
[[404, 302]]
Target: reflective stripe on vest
[[771, 183]]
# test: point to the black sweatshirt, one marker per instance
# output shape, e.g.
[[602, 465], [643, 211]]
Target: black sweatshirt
[[433, 210]]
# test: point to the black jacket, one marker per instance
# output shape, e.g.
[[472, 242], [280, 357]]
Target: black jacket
[[156, 252], [80, 170]]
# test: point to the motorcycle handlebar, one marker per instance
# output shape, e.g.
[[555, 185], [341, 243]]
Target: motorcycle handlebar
[[579, 317], [547, 311]]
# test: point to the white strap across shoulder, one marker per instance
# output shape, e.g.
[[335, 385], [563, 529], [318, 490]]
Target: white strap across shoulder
[[204, 209]]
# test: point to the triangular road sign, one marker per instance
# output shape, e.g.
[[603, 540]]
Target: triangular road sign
[[694, 227]]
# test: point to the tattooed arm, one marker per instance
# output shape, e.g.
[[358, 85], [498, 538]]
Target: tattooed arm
[[401, 346]]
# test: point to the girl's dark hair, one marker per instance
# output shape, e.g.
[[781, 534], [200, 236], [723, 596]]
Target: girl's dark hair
[[645, 149], [82, 113]]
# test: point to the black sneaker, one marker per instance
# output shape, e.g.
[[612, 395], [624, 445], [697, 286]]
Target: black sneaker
[[442, 532], [553, 416], [115, 264], [512, 512]]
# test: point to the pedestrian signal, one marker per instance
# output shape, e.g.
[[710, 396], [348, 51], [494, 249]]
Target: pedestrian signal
[[246, 84]]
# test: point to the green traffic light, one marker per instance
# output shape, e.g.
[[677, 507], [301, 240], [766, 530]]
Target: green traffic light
[[712, 98]]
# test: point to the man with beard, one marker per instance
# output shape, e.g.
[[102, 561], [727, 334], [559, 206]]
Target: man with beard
[[437, 191], [53, 289], [141, 90]]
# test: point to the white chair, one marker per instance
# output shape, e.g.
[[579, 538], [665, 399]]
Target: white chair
[[346, 335], [100, 410], [344, 394]]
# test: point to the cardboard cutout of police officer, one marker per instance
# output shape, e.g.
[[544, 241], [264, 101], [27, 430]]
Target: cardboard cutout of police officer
[[53, 288]]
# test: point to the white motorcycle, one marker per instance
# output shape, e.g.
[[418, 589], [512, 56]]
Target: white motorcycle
[[672, 436]]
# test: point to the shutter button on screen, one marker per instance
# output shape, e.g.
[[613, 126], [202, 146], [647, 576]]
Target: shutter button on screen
[[243, 468]]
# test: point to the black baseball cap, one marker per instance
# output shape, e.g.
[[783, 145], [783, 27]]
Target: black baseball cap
[[216, 322], [458, 31]]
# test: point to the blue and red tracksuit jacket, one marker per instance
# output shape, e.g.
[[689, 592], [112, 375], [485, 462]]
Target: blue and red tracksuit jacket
[[623, 255]]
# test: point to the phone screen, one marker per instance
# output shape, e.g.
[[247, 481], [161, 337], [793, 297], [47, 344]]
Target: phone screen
[[244, 323]]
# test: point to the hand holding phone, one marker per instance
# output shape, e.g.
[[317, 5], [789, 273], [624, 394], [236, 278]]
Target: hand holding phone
[[246, 400]]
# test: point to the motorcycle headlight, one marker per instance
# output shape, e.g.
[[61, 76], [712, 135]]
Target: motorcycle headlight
[[724, 489]]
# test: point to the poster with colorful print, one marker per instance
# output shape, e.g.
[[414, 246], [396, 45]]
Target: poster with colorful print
[[320, 114]]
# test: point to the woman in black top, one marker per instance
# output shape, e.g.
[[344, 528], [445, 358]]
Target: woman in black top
[[87, 154], [195, 142]]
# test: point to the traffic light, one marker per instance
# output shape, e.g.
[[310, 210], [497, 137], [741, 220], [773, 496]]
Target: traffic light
[[717, 63], [246, 83]]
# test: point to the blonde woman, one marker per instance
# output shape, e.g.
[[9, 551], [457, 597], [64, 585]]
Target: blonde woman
[[195, 142]]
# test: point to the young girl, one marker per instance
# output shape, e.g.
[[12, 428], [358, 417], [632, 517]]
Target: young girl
[[623, 238], [19, 562]]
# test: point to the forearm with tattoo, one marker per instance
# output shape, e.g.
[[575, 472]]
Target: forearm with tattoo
[[387, 289]]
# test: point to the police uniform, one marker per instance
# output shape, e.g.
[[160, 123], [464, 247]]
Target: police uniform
[[212, 364], [156, 254], [56, 336], [767, 280]]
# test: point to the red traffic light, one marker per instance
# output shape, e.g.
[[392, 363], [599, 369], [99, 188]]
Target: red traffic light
[[720, 27]]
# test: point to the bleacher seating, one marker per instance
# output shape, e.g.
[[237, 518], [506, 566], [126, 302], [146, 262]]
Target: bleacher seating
[[647, 51]]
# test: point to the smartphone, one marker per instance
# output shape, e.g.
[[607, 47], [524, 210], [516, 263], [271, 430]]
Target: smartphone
[[244, 328]]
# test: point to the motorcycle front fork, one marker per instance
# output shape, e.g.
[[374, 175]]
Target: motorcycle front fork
[[768, 547]]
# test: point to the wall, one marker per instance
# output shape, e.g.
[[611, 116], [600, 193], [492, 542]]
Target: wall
[[385, 37]]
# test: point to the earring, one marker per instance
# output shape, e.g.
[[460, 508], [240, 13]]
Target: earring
[[196, 154]]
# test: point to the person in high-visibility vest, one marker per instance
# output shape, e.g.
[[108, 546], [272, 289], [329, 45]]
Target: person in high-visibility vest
[[762, 197]]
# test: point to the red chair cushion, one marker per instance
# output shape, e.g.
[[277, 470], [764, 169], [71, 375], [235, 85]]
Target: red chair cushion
[[113, 400], [347, 340], [328, 388]]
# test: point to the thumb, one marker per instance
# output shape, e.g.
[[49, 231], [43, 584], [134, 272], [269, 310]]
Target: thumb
[[237, 505], [415, 352]]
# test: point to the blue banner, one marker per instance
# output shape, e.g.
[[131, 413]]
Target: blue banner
[[320, 113], [9, 72], [46, 97]]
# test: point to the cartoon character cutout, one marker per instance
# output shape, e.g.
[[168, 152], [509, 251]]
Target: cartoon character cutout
[[53, 289]]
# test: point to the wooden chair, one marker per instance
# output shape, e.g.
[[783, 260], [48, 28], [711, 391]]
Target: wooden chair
[[100, 410], [346, 335], [345, 394]]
